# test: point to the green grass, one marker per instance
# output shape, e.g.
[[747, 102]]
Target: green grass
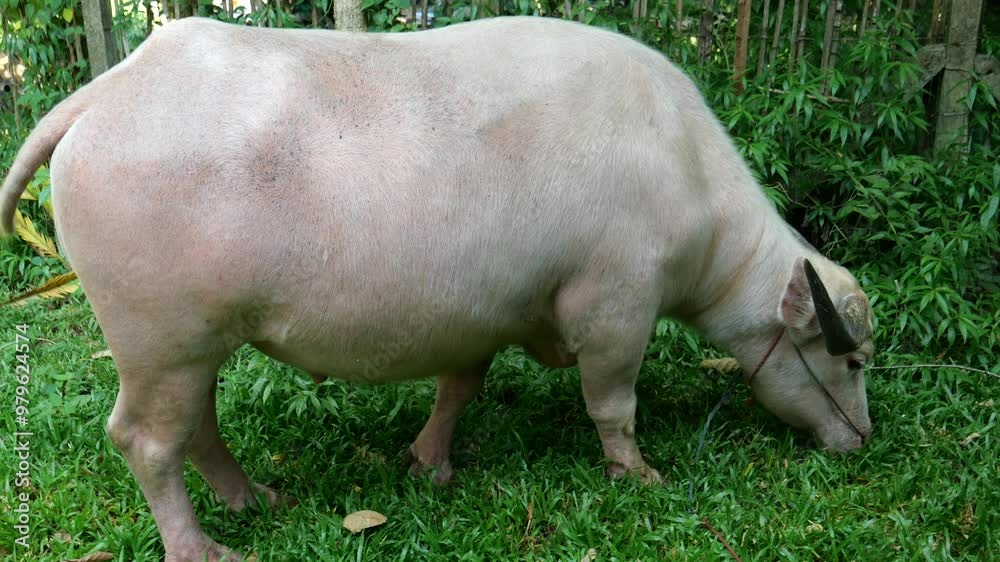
[[524, 446]]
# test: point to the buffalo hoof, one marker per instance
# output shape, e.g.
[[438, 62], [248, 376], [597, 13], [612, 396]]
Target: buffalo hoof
[[207, 550], [644, 474], [439, 471], [274, 499]]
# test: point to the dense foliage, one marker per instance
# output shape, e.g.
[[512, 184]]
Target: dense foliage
[[844, 152]]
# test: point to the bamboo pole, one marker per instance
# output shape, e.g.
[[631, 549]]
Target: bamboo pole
[[831, 12], [78, 46], [122, 39], [680, 16], [777, 31], [803, 29], [762, 48], [639, 13], [795, 34], [705, 35], [835, 45], [932, 33], [864, 17]]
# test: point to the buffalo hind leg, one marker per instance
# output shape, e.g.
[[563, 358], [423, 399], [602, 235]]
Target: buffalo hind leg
[[431, 449], [156, 415], [209, 454]]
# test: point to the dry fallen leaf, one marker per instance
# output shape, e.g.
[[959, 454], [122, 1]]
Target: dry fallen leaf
[[62, 536], [590, 556], [814, 528], [364, 519], [95, 557], [101, 354], [723, 365], [965, 442]]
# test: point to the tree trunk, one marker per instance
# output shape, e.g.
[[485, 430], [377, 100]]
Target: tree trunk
[[742, 42], [148, 5], [100, 39], [762, 48], [705, 35], [347, 15], [423, 14], [961, 43]]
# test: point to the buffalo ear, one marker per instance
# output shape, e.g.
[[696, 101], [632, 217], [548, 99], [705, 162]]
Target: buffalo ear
[[797, 310]]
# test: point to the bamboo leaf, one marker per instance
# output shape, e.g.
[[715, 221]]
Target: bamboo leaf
[[40, 242], [59, 286]]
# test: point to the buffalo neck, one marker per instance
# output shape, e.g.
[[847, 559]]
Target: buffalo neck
[[742, 284]]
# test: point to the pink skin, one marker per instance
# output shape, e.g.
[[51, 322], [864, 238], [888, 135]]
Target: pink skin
[[425, 266]]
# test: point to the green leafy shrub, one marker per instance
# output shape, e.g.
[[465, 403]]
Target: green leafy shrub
[[843, 151]]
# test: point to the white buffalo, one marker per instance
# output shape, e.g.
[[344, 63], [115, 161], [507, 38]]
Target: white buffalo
[[390, 206]]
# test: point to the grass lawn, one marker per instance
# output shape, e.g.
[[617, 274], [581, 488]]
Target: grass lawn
[[529, 480]]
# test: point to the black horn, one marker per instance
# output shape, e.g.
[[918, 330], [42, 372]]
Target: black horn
[[841, 337]]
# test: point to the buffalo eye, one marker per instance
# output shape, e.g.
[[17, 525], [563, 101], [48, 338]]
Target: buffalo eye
[[854, 365]]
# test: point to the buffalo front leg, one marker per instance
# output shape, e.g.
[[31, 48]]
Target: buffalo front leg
[[156, 414], [609, 391], [430, 451], [609, 336], [209, 454]]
